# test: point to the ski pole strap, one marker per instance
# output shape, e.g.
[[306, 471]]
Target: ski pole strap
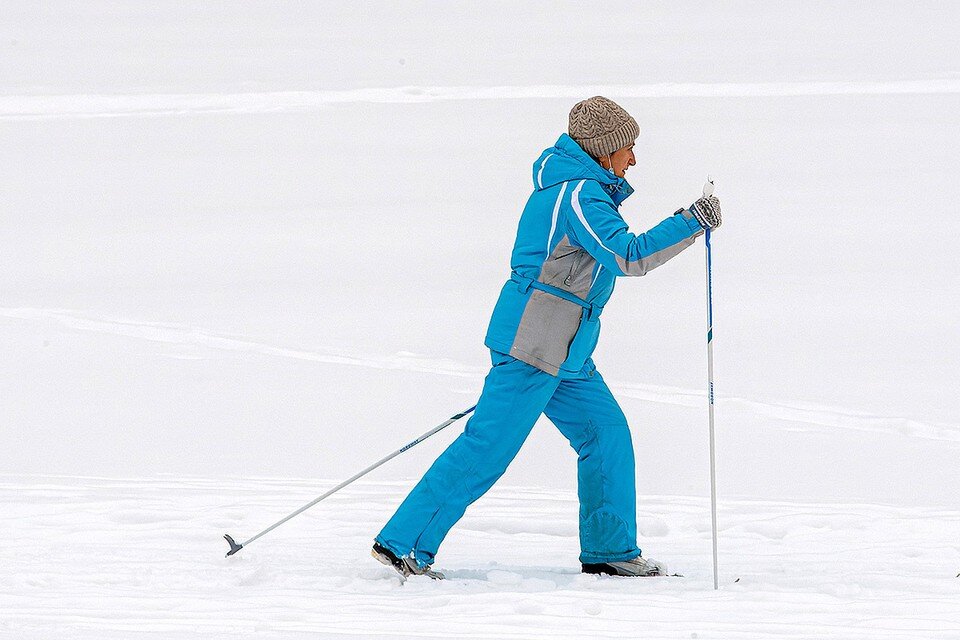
[[525, 284]]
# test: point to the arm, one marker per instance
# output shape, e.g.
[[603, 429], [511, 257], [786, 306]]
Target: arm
[[598, 228]]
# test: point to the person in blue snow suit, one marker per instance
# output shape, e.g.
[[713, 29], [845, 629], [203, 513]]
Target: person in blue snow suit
[[571, 246]]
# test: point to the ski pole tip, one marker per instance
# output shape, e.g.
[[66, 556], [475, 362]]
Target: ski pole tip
[[234, 547]]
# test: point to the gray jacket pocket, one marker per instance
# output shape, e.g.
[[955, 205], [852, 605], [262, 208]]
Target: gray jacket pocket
[[547, 327]]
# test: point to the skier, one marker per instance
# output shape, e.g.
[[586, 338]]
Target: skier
[[571, 245]]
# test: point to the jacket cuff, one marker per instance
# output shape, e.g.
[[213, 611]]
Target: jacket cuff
[[691, 221]]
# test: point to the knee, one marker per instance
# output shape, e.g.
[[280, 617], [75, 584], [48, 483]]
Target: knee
[[615, 430], [613, 439]]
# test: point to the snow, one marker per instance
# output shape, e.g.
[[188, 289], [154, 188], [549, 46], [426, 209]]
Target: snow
[[245, 253], [121, 558]]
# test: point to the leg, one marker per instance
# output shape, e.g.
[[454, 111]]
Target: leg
[[514, 395], [589, 417]]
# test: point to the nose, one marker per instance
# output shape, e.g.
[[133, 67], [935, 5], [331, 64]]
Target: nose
[[633, 158]]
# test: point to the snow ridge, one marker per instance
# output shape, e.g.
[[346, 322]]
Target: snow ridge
[[170, 333], [43, 107], [806, 416]]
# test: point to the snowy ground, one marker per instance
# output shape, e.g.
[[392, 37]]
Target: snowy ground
[[264, 242], [98, 558]]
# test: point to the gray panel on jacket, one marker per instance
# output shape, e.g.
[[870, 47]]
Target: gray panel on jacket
[[643, 265], [569, 268], [546, 329]]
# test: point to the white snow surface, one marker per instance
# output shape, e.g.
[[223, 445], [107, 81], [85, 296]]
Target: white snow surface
[[247, 249], [115, 558]]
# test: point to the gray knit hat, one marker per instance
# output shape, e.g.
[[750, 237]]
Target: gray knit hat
[[601, 126]]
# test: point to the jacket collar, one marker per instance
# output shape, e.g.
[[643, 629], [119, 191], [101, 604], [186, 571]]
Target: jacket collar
[[617, 188]]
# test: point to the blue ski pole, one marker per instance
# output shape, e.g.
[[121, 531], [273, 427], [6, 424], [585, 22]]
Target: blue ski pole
[[708, 191]]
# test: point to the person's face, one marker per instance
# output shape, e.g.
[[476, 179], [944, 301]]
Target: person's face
[[620, 160]]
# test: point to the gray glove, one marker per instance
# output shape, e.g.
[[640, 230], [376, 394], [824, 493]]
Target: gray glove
[[707, 211]]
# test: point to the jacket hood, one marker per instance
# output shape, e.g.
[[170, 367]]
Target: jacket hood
[[566, 161]]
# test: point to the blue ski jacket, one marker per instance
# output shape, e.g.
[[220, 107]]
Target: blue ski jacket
[[571, 245]]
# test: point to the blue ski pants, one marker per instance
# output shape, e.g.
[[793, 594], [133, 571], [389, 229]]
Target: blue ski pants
[[514, 395]]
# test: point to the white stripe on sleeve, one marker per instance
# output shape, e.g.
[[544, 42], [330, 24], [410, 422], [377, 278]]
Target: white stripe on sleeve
[[575, 202], [553, 223]]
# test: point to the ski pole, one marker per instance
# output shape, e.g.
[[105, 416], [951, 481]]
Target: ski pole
[[234, 547], [707, 192]]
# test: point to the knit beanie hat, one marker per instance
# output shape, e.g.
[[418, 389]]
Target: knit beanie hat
[[601, 126]]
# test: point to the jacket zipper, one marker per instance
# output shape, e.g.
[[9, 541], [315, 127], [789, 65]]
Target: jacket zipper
[[573, 268]]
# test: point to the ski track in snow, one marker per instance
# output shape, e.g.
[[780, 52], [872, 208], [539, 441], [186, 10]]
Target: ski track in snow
[[806, 417], [136, 105], [126, 558], [169, 333]]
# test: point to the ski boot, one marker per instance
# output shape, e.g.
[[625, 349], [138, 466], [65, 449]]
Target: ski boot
[[405, 566], [634, 568]]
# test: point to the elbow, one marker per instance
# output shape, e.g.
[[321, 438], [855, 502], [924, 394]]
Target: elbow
[[645, 264], [639, 267]]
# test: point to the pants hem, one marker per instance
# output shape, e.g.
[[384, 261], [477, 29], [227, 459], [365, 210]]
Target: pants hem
[[599, 558]]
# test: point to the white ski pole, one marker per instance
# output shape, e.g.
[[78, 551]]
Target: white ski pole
[[707, 192], [235, 546]]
